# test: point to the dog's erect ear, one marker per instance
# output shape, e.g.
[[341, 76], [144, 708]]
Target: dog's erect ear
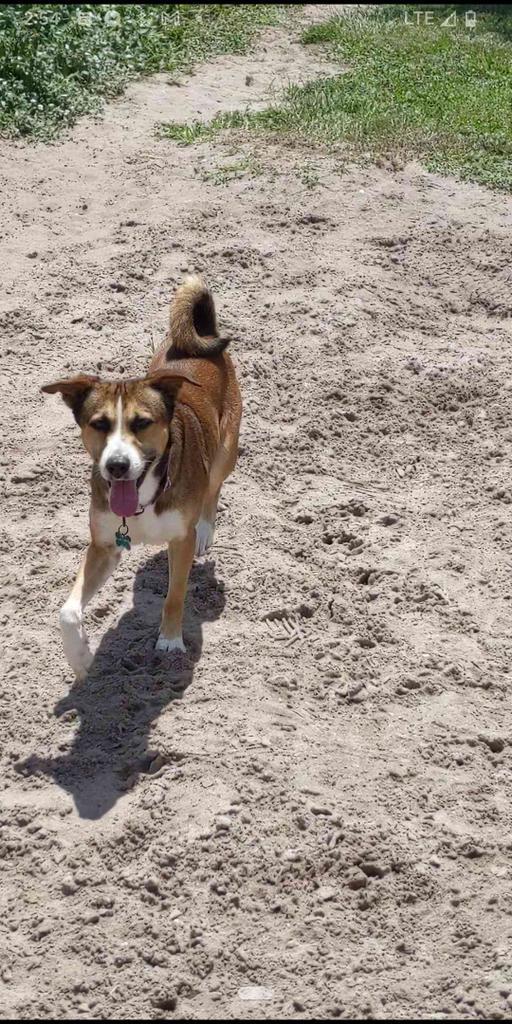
[[74, 390]]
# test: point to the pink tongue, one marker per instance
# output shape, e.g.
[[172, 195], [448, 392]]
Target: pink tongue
[[124, 497]]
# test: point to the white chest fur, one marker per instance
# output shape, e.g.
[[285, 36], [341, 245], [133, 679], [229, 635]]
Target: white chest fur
[[147, 528]]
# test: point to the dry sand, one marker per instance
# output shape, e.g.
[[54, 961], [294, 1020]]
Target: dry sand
[[308, 816]]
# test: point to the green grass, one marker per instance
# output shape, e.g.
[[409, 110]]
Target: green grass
[[246, 167], [58, 61], [441, 94]]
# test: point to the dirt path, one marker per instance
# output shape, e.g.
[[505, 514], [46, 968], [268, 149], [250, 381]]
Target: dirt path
[[317, 803]]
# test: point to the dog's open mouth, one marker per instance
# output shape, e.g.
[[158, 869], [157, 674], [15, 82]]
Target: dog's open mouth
[[124, 496]]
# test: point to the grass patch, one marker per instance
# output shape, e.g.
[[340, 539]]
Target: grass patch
[[245, 167], [58, 61], [440, 93], [202, 131]]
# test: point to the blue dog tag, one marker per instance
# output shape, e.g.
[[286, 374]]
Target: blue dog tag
[[123, 539]]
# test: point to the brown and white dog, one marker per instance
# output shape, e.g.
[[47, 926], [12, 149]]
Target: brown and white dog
[[161, 446]]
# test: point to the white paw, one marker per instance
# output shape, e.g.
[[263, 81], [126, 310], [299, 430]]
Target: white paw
[[75, 643], [204, 536], [172, 643]]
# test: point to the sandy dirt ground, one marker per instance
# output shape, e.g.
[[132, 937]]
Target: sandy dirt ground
[[308, 816]]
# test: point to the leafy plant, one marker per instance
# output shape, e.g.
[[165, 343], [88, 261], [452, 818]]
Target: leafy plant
[[58, 61]]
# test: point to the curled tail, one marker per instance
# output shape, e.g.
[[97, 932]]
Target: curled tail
[[193, 324]]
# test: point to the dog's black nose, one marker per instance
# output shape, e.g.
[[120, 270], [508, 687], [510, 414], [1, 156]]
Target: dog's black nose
[[118, 466]]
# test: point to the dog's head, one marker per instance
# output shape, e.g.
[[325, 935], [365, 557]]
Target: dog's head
[[125, 426]]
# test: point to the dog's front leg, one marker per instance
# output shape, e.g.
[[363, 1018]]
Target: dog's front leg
[[181, 555], [98, 564]]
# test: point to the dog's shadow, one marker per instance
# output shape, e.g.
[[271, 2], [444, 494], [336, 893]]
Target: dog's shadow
[[127, 687]]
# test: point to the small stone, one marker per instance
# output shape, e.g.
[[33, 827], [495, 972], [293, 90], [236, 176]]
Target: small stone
[[26, 477], [372, 869], [255, 993], [411, 683], [45, 928], [92, 917], [223, 823], [293, 856], [320, 810], [356, 879], [325, 893], [69, 886]]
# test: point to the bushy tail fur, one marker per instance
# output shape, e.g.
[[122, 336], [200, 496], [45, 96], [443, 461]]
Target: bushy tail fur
[[193, 324]]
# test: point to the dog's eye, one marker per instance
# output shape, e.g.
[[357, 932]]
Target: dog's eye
[[102, 423], [140, 423]]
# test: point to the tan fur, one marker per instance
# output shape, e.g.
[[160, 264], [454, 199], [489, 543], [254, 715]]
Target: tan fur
[[202, 431]]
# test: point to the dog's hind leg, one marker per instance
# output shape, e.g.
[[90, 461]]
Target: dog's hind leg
[[97, 566], [206, 525], [223, 464]]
